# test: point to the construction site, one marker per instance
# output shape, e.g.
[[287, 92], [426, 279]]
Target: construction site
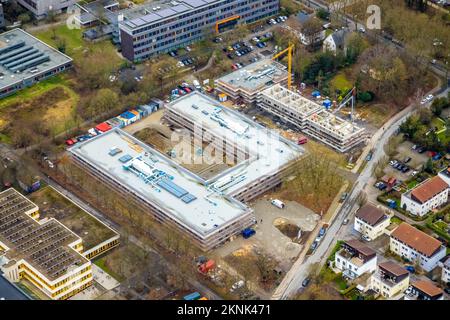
[[312, 118], [244, 85]]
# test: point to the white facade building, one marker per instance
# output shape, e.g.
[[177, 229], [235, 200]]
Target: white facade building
[[416, 246], [355, 259], [427, 196], [371, 221]]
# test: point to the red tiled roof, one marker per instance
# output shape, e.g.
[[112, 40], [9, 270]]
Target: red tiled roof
[[427, 287], [429, 189], [416, 239]]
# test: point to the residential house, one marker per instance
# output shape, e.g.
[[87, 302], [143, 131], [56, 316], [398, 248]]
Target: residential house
[[389, 280], [424, 290], [425, 197], [416, 246], [336, 41], [355, 258], [371, 221]]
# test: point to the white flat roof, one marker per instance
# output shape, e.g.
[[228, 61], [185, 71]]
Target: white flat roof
[[268, 150], [206, 213]]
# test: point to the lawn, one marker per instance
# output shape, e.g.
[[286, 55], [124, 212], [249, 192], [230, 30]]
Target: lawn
[[341, 82], [71, 37], [51, 103], [396, 220]]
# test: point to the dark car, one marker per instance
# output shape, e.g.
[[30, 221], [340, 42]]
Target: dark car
[[190, 61], [405, 169], [407, 159], [447, 290], [230, 56], [421, 150], [306, 282]]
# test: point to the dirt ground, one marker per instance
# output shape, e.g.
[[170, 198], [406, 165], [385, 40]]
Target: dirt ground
[[269, 238]]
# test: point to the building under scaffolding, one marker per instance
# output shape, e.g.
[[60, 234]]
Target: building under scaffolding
[[311, 118], [245, 84]]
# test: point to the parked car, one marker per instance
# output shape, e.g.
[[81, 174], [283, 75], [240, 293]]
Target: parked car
[[314, 245], [407, 159], [365, 238], [344, 196], [410, 269], [421, 149], [345, 221], [305, 282], [447, 290], [322, 231]]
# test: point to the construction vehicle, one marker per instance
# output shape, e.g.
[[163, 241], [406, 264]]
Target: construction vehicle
[[289, 50], [207, 266]]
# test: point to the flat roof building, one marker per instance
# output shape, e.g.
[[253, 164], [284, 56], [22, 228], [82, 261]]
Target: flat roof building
[[208, 211], [262, 155], [245, 84], [311, 118], [161, 26], [25, 60], [44, 252]]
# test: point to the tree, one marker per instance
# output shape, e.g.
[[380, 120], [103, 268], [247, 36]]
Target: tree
[[438, 105], [104, 100], [312, 31], [24, 18], [323, 14], [425, 116]]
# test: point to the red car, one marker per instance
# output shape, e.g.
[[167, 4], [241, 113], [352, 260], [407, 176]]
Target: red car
[[70, 142], [234, 67]]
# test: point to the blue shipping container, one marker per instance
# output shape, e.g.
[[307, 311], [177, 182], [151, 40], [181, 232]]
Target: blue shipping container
[[192, 296]]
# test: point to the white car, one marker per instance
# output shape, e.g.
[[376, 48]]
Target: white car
[[237, 285], [424, 101], [366, 238], [188, 49], [362, 30], [429, 97], [414, 173]]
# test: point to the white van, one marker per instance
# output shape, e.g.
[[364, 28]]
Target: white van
[[278, 203], [196, 84]]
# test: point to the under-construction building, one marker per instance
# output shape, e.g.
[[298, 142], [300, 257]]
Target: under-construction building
[[245, 84], [311, 118]]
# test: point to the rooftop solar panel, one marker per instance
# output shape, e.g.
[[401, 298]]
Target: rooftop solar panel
[[151, 17], [11, 47], [181, 8], [30, 64], [171, 187], [188, 198], [125, 158], [13, 54], [166, 13], [194, 3]]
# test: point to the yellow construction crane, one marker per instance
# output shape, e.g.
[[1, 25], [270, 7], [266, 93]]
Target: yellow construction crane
[[289, 50]]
